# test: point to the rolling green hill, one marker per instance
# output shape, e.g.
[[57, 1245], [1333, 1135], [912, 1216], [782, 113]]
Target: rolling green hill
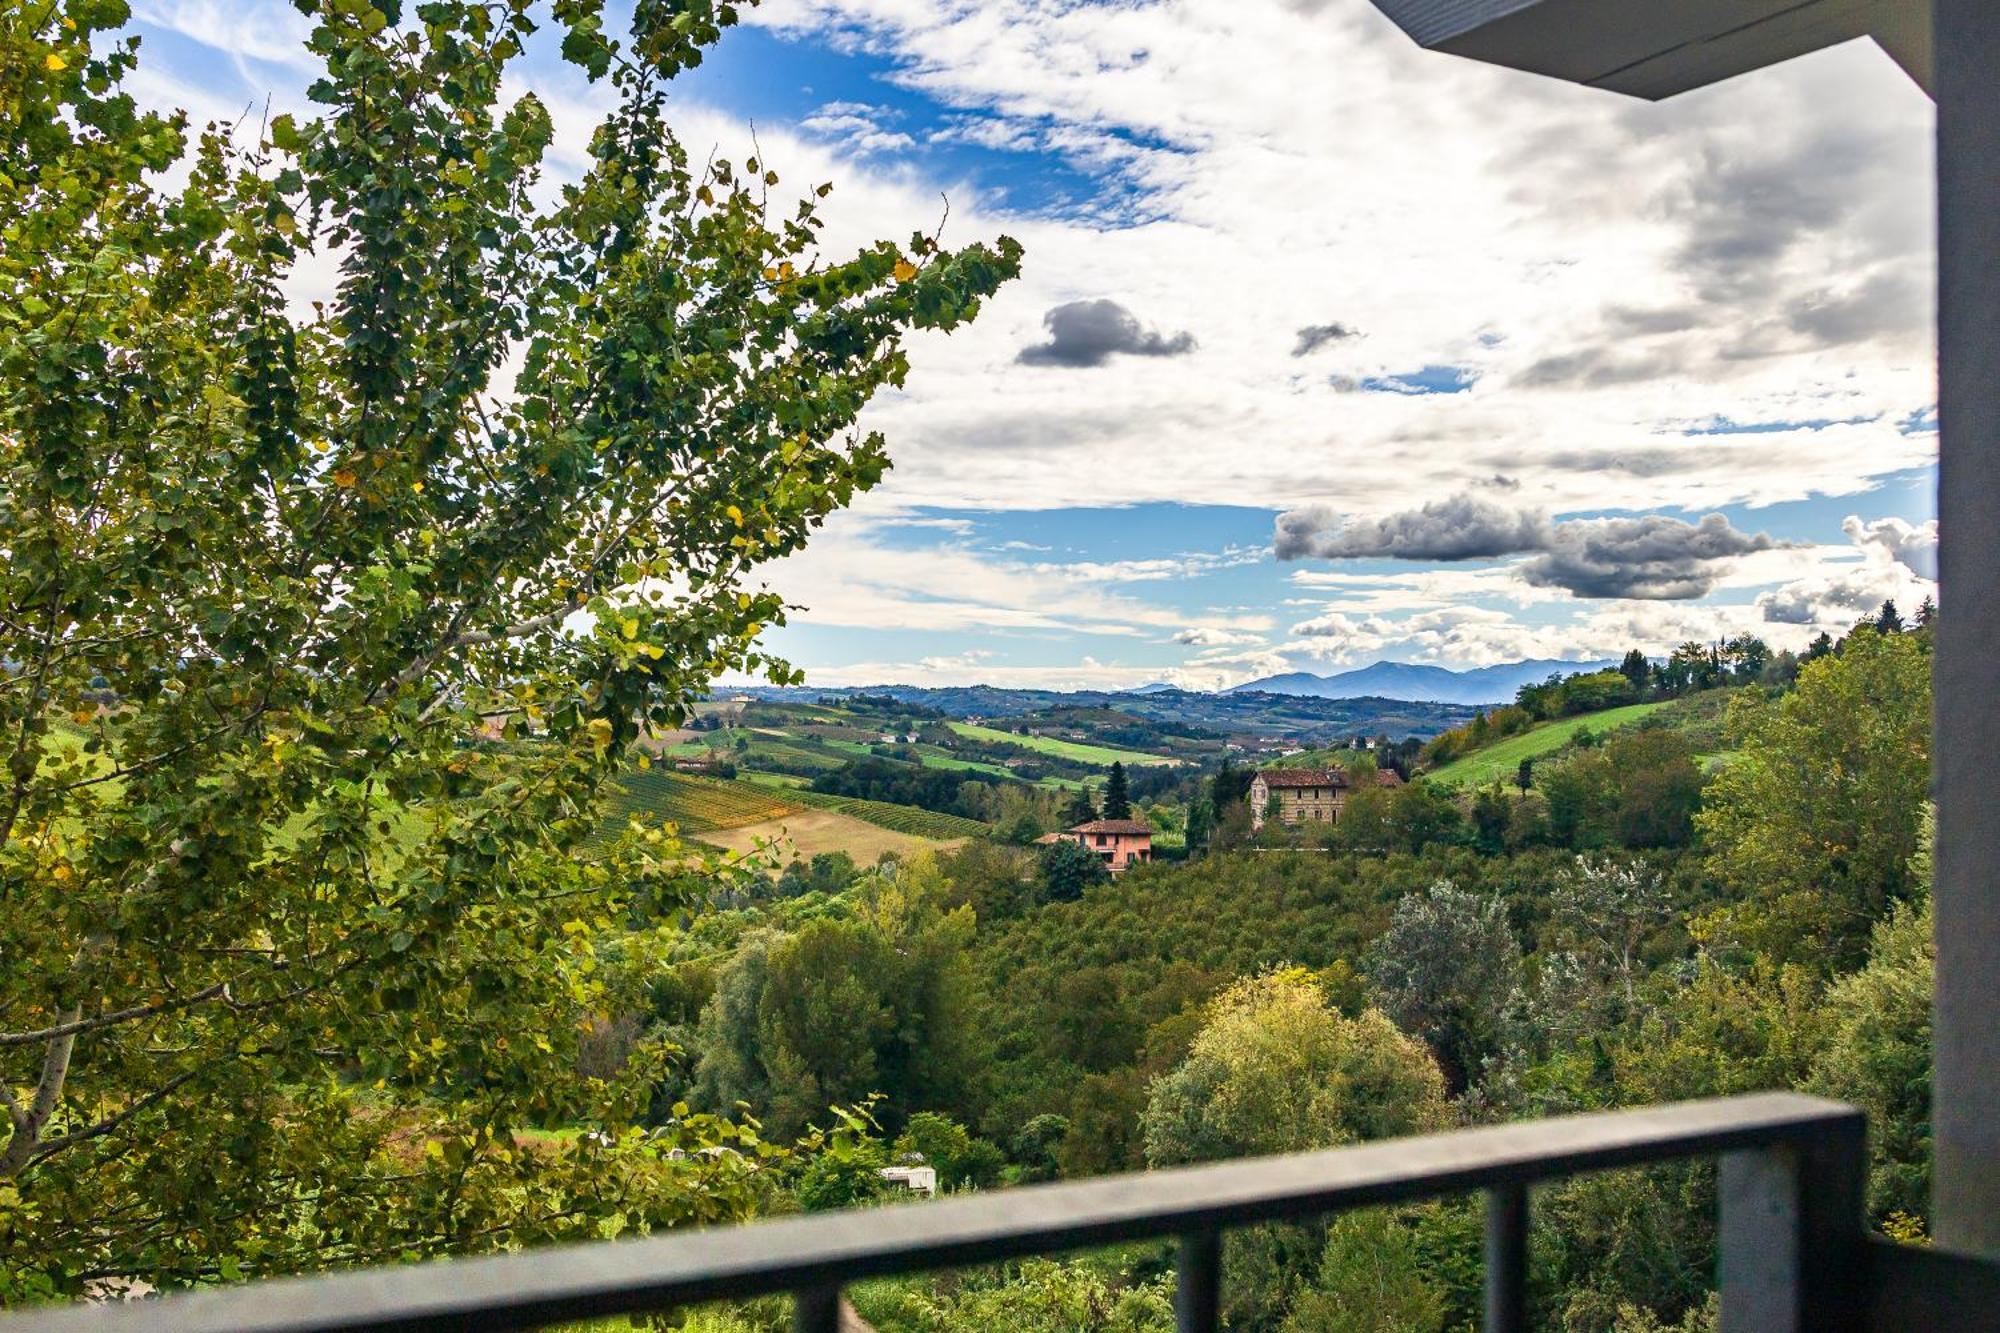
[[1501, 759], [1100, 755]]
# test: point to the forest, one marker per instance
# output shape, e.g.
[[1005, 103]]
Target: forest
[[1636, 928]]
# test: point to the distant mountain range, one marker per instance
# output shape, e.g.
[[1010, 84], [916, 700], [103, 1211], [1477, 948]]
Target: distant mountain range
[[1430, 684]]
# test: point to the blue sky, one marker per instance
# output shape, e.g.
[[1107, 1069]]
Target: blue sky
[[1475, 353]]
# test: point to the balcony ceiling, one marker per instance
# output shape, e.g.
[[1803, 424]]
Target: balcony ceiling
[[1657, 48]]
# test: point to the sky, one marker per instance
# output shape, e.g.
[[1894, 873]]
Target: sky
[[1325, 350]]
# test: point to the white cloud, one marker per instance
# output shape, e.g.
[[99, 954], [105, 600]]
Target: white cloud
[[1914, 546], [1208, 637], [1609, 274], [850, 577], [1837, 593]]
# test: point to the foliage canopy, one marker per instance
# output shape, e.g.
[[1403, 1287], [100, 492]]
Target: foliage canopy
[[324, 628]]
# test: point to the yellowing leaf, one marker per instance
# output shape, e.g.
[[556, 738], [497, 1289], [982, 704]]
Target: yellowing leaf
[[905, 270], [343, 478], [735, 515], [629, 628], [54, 62]]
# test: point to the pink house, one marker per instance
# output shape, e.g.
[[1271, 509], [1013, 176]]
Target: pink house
[[1118, 842]]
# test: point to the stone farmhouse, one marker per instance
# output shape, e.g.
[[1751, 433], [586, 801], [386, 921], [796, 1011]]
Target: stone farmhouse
[[1119, 843], [1305, 795]]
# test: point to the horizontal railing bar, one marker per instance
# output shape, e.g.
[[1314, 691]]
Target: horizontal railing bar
[[1911, 1286], [531, 1288]]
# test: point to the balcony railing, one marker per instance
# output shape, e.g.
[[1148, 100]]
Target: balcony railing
[[1794, 1253]]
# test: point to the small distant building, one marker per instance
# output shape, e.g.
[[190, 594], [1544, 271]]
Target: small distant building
[[1119, 843], [1306, 795]]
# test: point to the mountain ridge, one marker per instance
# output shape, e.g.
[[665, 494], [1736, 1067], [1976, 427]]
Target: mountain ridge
[[1418, 683]]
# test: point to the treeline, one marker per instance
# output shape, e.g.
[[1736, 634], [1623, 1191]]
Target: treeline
[[1689, 669], [940, 789]]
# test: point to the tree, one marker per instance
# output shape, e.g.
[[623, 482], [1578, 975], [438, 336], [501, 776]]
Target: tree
[[1448, 971], [1889, 620], [943, 1143], [1081, 810], [1276, 1068], [1524, 774], [1821, 646], [1037, 1147], [515, 476], [1068, 868], [1603, 912], [1926, 612], [1117, 802], [1878, 1052], [1638, 669], [1200, 825], [844, 1009], [1817, 819], [1421, 814]]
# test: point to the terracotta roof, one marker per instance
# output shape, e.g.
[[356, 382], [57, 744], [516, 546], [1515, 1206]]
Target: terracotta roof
[[1388, 777], [1303, 777], [1126, 826]]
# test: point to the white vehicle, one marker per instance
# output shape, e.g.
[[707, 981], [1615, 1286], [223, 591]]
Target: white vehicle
[[915, 1179]]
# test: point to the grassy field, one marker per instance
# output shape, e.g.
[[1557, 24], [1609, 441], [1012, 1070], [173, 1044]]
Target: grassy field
[[1099, 755], [1501, 760], [900, 818], [806, 833]]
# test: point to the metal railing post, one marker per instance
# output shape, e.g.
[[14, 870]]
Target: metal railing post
[[1198, 1284], [1507, 1259], [816, 1310], [1792, 1237]]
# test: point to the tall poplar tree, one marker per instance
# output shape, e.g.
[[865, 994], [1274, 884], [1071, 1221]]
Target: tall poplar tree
[[323, 630]]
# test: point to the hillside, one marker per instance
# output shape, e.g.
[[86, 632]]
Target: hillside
[[1100, 755], [1500, 760]]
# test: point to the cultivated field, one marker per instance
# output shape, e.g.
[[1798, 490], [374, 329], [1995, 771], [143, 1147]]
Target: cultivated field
[[806, 833], [697, 805], [900, 818]]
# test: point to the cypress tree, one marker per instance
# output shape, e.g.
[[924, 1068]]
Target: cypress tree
[[1117, 802]]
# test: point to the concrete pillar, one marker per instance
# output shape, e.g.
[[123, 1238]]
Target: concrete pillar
[[1966, 1119]]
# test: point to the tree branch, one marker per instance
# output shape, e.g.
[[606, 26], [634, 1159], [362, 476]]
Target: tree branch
[[115, 1017]]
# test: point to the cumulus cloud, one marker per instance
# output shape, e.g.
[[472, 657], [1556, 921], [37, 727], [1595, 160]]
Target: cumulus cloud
[[1463, 527], [1809, 602], [1651, 558], [1898, 561], [1315, 336], [1206, 636], [1090, 333], [1913, 546]]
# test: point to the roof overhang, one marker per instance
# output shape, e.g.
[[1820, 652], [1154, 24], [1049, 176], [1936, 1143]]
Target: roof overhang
[[1657, 48]]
